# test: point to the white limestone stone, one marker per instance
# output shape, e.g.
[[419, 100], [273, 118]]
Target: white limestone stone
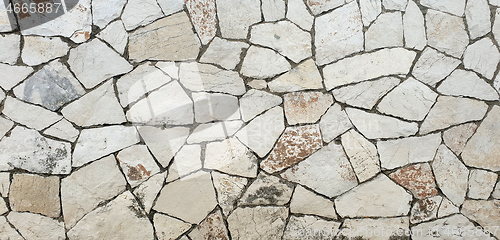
[[362, 155], [4, 184], [170, 68], [386, 31], [229, 189], [429, 230], [481, 184], [447, 208], [370, 10], [486, 213], [333, 123], [414, 27], [204, 77], [34, 226], [137, 164], [115, 35], [208, 132], [446, 32], [298, 14], [482, 57], [365, 94], [319, 6], [29, 115], [164, 142], [496, 25], [215, 106], [235, 17], [63, 130], [104, 12], [267, 190], [433, 66], [477, 15], [255, 102], [263, 63], [258, 223], [494, 2], [12, 75], [456, 137], [375, 126], [140, 13], [399, 5], [273, 10], [6, 21], [7, 231], [38, 50], [224, 53], [186, 161], [168, 227], [309, 227], [148, 190], [306, 202], [232, 157], [5, 126], [496, 192], [171, 6], [451, 175], [450, 6], [306, 107], [398, 227], [467, 84], [303, 77]]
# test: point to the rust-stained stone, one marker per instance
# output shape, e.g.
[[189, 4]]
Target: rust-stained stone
[[296, 144], [203, 16], [456, 137], [425, 209], [418, 179], [212, 228], [306, 107], [35, 194]]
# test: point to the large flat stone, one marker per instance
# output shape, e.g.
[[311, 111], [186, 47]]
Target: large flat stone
[[35, 226], [204, 18], [37, 50], [446, 32], [463, 83], [303, 77], [306, 107], [267, 190], [232, 157], [140, 13], [417, 178], [29, 115], [386, 31], [164, 142], [35, 194], [433, 66], [258, 223], [333, 123], [306, 202], [224, 53], [414, 27], [451, 175], [376, 126], [229, 189], [365, 94], [255, 102], [486, 213], [263, 63], [483, 57], [204, 77], [235, 17], [362, 155]]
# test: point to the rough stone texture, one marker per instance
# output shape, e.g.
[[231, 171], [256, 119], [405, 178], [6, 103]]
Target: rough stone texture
[[29, 115], [168, 227], [140, 13], [477, 18], [232, 157], [115, 35], [417, 178], [7, 231], [164, 143], [450, 6], [380, 197], [224, 53], [433, 66], [215, 106], [456, 137], [148, 190], [5, 126], [35, 194], [303, 77], [186, 161], [103, 12], [327, 171], [204, 77], [12, 75], [399, 5], [338, 33], [257, 223], [446, 32], [486, 213], [396, 228], [229, 189], [11, 44], [37, 50], [365, 94], [213, 227], [482, 57], [481, 184], [255, 102], [137, 164], [235, 17], [386, 31], [333, 123], [203, 16], [414, 27], [263, 63], [273, 10], [310, 227], [209, 132], [362, 155], [4, 184], [451, 175], [375, 126], [496, 192], [438, 228], [370, 10], [5, 21], [469, 84], [306, 202], [169, 68], [168, 39], [294, 145], [34, 226], [171, 6], [267, 190], [298, 14], [306, 107], [447, 208], [425, 210], [393, 61]]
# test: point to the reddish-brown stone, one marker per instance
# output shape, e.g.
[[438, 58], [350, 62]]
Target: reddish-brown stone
[[418, 178], [203, 16]]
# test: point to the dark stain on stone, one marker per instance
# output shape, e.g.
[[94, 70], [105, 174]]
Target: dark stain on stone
[[138, 172], [266, 193]]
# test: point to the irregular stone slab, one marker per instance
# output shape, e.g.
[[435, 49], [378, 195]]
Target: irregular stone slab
[[465, 83], [365, 94], [4, 184], [451, 175], [255, 102], [30, 115], [148, 190], [159, 107], [101, 223], [380, 197], [38, 50], [338, 33], [215, 106], [410, 100], [273, 10], [319, 6], [168, 39], [267, 190], [385, 62], [229, 189], [190, 198], [481, 184], [213, 227], [303, 77], [25, 194], [103, 12], [96, 108], [12, 75], [263, 63], [370, 10], [414, 27], [5, 126], [308, 227], [447, 208], [140, 13], [417, 178], [446, 32], [208, 132], [34, 226], [496, 192], [333, 123], [306, 107], [362, 155], [204, 77], [27, 149], [262, 132], [257, 223], [3, 208], [449, 111], [203, 17], [232, 157], [187, 160], [327, 172], [115, 35], [480, 150], [285, 38], [6, 18], [298, 14], [83, 190], [7, 231], [224, 53], [441, 229], [52, 87], [168, 227], [477, 18], [425, 210], [399, 5], [164, 143], [386, 31], [235, 17], [450, 6], [400, 152], [95, 143], [170, 68], [87, 59], [433, 66], [143, 79], [393, 228], [375, 126], [482, 57], [486, 213], [12, 45], [137, 164], [171, 6], [307, 202]]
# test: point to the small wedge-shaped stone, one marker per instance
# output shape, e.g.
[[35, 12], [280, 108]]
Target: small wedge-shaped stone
[[35, 194], [284, 37], [486, 213], [465, 83], [294, 145], [417, 178], [213, 227], [482, 57], [95, 143], [232, 157], [34, 226], [362, 155], [478, 18], [273, 10], [27, 149], [164, 142], [306, 202], [255, 102], [4, 184], [258, 222], [83, 190], [168, 39], [446, 32], [137, 164], [375, 126], [12, 75], [148, 190], [429, 230], [140, 13], [303, 227], [449, 111], [37, 50], [333, 123], [5, 126], [303, 77], [27, 114], [235, 17], [455, 7], [414, 28], [393, 228], [365, 94], [433, 66], [224, 53], [298, 14], [267, 190], [101, 223], [380, 197], [369, 10], [306, 107], [215, 106], [87, 61], [386, 31], [262, 132], [203, 16], [263, 63], [481, 184], [400, 152], [447, 208], [410, 100], [115, 35], [204, 77], [103, 12], [9, 232], [338, 34], [229, 189], [168, 228], [96, 108], [425, 210], [168, 105], [456, 137], [385, 62], [481, 150], [327, 171], [190, 198], [451, 175]]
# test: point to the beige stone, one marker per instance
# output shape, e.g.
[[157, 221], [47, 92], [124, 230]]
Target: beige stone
[[306, 107], [36, 194]]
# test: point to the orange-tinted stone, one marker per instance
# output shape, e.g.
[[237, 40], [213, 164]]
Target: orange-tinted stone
[[418, 179]]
